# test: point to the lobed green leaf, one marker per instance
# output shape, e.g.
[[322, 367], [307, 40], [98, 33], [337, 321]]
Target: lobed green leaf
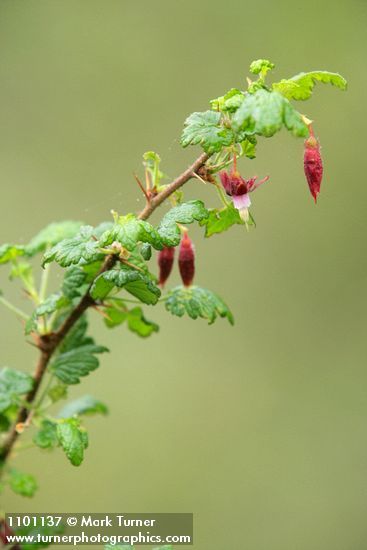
[[46, 437], [185, 213], [52, 303], [51, 235], [264, 113], [77, 250], [229, 102], [197, 302], [135, 282], [220, 220], [300, 86], [248, 146], [13, 384], [77, 337], [70, 366], [73, 439], [117, 313], [129, 231], [73, 285], [22, 484], [205, 129]]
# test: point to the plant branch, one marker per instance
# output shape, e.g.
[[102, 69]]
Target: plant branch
[[48, 343], [172, 187]]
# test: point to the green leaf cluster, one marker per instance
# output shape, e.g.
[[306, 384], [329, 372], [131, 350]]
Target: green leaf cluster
[[67, 432], [261, 67], [229, 102], [265, 113]]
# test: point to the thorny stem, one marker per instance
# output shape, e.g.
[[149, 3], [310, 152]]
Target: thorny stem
[[48, 343]]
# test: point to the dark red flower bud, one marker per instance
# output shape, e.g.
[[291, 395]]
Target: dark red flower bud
[[186, 260], [312, 162], [165, 262]]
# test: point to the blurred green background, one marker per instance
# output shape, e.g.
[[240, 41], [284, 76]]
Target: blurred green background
[[260, 429]]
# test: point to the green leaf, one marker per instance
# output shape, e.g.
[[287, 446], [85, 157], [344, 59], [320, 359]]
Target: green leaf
[[53, 303], [144, 290], [76, 250], [4, 423], [70, 366], [129, 230], [166, 547], [265, 113], [77, 336], [139, 324], [102, 228], [73, 439], [31, 324], [205, 129], [73, 284], [228, 102], [300, 86], [136, 283], [13, 384], [185, 213], [261, 66], [9, 252], [22, 484], [197, 302], [86, 405], [46, 437], [220, 220], [249, 147], [293, 121], [51, 235], [151, 161], [146, 251], [116, 312], [57, 392]]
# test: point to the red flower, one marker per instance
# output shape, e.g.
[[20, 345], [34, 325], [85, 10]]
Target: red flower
[[238, 188], [165, 263], [312, 162], [186, 260]]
